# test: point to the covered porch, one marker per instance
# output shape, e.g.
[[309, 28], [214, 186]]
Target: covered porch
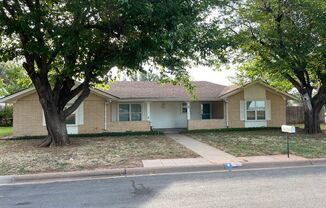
[[146, 115]]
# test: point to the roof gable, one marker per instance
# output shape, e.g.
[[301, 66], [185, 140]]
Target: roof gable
[[231, 90]]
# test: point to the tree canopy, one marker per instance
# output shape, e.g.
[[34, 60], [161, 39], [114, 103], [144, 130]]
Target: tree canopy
[[13, 78], [284, 40], [61, 42]]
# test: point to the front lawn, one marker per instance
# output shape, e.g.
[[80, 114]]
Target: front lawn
[[301, 126], [264, 142], [5, 131], [23, 156]]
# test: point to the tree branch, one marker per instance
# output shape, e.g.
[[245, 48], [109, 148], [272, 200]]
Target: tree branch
[[295, 83], [77, 103]]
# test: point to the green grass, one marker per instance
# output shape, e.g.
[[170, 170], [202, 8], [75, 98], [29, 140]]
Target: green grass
[[24, 156], [265, 142], [5, 131]]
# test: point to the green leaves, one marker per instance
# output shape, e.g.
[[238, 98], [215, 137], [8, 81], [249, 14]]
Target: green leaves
[[12, 79], [282, 39], [86, 39]]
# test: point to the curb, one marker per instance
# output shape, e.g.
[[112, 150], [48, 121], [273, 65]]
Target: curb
[[66, 176]]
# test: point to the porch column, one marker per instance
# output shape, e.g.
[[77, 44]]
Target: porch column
[[188, 111], [148, 108]]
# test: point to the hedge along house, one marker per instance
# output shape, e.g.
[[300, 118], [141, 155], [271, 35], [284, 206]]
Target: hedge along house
[[142, 106]]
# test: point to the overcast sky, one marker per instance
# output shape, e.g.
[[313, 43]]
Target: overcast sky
[[202, 73]]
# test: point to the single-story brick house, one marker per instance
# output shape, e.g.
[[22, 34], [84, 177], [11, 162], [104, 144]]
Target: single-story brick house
[[143, 105]]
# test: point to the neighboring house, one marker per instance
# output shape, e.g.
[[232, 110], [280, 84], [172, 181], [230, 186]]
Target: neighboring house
[[142, 106]]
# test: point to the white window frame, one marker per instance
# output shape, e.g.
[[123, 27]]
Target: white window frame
[[184, 106], [76, 122], [76, 116], [129, 112], [255, 110]]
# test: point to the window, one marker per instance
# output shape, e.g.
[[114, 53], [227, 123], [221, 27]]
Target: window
[[71, 119], [255, 110], [129, 112], [184, 107], [205, 111]]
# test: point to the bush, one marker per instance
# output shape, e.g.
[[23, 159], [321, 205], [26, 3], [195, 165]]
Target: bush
[[6, 116]]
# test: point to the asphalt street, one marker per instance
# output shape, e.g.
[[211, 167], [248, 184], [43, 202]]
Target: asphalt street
[[294, 187]]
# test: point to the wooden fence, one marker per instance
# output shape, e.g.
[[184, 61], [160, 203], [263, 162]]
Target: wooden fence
[[295, 115]]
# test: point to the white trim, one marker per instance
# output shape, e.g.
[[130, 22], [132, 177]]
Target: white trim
[[248, 100], [226, 104], [148, 111], [23, 93], [188, 111], [105, 115], [15, 96], [240, 88], [129, 104]]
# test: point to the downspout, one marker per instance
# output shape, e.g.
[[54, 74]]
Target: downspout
[[105, 115], [227, 113]]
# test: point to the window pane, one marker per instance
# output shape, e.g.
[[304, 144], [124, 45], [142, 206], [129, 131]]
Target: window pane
[[184, 107], [205, 111], [124, 108], [71, 119], [260, 105], [136, 116], [135, 108], [251, 115], [124, 117], [260, 115], [251, 105]]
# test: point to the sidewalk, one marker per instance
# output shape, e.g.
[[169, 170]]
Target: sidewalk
[[125, 172], [212, 156], [209, 154]]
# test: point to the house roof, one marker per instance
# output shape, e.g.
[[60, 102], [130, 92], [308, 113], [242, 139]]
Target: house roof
[[151, 91], [231, 90], [127, 90], [13, 97]]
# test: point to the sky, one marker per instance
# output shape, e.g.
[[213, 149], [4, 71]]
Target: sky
[[203, 73]]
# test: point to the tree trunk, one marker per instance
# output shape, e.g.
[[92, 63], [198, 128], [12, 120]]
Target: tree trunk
[[311, 116], [56, 127]]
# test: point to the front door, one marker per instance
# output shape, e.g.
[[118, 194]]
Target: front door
[[206, 111]]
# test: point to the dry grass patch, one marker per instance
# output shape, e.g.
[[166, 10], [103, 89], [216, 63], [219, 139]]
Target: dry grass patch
[[264, 142], [22, 157]]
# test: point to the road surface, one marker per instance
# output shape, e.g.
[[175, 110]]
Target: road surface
[[294, 187]]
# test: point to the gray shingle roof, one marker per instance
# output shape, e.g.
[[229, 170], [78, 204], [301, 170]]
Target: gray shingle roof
[[152, 90]]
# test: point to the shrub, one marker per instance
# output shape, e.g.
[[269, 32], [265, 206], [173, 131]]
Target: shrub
[[6, 116]]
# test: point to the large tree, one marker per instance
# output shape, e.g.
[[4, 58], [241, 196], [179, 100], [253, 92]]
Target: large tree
[[61, 42], [288, 40]]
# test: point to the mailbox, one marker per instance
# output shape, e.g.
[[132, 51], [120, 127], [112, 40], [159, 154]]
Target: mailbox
[[288, 129]]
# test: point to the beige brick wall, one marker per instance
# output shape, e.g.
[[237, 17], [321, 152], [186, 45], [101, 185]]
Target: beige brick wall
[[28, 117], [206, 124], [123, 126], [278, 109], [234, 110], [93, 115], [218, 110]]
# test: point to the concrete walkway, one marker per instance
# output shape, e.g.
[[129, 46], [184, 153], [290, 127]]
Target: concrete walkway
[[209, 155], [204, 150]]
